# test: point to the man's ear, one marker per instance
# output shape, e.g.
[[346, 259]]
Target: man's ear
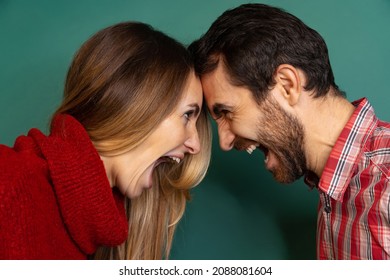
[[288, 77]]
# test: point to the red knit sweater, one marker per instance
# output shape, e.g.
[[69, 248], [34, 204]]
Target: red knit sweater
[[55, 198]]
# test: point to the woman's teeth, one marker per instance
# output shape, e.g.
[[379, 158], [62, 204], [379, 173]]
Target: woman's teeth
[[250, 149], [176, 159]]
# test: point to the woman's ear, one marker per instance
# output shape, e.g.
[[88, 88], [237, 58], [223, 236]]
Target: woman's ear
[[288, 77]]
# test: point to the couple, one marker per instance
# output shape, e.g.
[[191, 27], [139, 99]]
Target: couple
[[132, 136]]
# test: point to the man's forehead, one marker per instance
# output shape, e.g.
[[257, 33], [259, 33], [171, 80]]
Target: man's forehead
[[217, 99], [218, 74], [215, 87]]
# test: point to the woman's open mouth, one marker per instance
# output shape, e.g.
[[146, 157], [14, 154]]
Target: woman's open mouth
[[168, 159]]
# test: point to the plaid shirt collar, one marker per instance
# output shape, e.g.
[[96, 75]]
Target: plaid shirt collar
[[345, 153]]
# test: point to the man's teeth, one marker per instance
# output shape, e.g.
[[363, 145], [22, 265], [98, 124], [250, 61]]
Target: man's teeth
[[175, 159], [250, 149]]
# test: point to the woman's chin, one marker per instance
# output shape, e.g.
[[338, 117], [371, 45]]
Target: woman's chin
[[145, 182]]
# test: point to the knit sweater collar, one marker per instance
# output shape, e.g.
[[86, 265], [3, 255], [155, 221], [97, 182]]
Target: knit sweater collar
[[92, 212]]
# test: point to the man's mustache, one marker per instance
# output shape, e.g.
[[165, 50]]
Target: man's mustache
[[240, 144]]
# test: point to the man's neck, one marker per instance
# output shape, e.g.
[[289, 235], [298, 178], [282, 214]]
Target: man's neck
[[324, 119]]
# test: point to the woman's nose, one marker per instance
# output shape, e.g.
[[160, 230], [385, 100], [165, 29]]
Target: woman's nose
[[193, 143]]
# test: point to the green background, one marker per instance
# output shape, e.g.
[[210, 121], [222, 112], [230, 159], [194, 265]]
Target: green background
[[238, 211]]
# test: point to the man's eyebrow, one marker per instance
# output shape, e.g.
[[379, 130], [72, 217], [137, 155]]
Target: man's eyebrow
[[218, 107]]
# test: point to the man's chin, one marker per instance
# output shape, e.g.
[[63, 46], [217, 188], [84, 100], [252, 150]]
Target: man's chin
[[284, 177]]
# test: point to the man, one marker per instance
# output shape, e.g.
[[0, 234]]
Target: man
[[269, 85]]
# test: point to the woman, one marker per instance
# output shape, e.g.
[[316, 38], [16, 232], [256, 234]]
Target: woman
[[127, 143]]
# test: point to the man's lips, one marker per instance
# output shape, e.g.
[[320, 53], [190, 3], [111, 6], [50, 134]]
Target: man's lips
[[249, 146]]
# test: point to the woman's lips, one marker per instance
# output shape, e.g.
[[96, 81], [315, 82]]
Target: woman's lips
[[167, 159]]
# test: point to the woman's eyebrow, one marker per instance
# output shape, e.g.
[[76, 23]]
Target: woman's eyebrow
[[196, 108]]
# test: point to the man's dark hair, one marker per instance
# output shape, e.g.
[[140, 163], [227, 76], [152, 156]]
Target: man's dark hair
[[252, 40]]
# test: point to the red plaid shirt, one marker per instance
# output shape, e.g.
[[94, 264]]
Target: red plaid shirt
[[354, 208]]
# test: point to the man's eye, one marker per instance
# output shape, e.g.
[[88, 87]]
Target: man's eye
[[218, 113], [222, 113]]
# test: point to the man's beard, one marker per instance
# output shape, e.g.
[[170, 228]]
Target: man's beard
[[283, 134]]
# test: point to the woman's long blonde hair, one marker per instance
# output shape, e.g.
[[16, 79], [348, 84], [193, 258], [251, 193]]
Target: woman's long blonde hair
[[122, 83]]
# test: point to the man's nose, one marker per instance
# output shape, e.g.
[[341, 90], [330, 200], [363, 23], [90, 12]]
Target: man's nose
[[226, 137]]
